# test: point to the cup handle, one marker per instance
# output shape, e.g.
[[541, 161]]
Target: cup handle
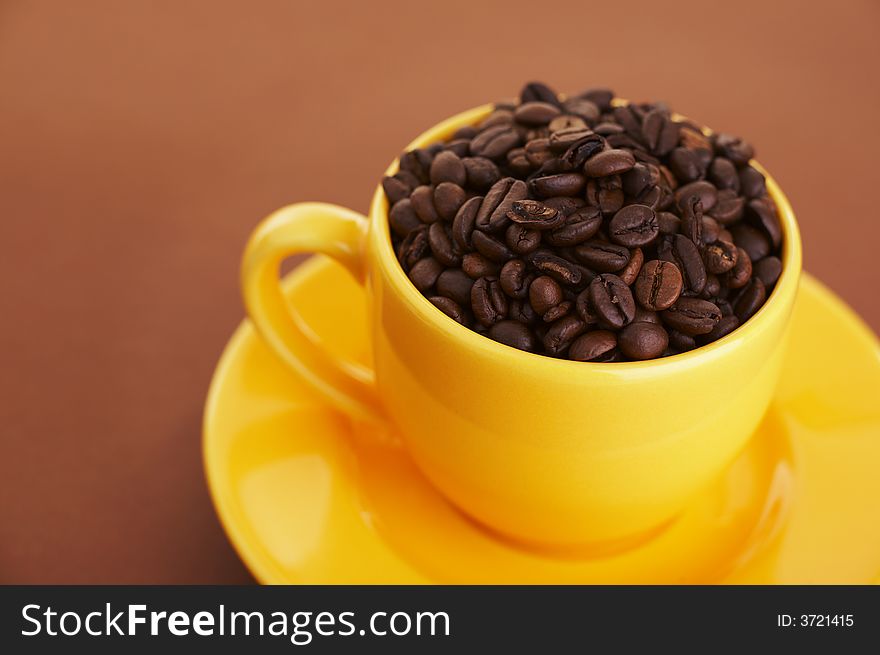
[[319, 228]]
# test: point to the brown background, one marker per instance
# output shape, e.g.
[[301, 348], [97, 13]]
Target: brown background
[[141, 141]]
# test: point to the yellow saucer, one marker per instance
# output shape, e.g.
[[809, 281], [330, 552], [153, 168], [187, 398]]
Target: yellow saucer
[[308, 497]]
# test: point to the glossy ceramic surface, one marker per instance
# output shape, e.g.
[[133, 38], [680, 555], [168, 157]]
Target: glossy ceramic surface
[[307, 496], [570, 454]]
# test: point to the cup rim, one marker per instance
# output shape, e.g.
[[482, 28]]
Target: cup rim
[[785, 288]]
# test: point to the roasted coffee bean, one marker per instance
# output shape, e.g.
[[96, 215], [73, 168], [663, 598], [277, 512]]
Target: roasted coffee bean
[[692, 219], [602, 257], [705, 191], [612, 300], [739, 275], [734, 148], [403, 218], [630, 272], [634, 226], [481, 173], [448, 199], [559, 184], [658, 285], [522, 240], [465, 221], [643, 340], [536, 113], [692, 316], [494, 142], [561, 270], [725, 326], [422, 200], [515, 279], [720, 257], [578, 226], [447, 167], [750, 300], [535, 215], [537, 152], [414, 247], [488, 301], [595, 346], [577, 219], [491, 248], [762, 212], [561, 333], [751, 182], [685, 165], [555, 313], [499, 200], [442, 246], [477, 266], [424, 273], [455, 284], [753, 241], [544, 293], [609, 162], [513, 334], [538, 92], [668, 223], [767, 270], [451, 308], [682, 252]]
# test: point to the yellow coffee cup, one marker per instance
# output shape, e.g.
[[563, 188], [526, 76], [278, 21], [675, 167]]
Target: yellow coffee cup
[[544, 451]]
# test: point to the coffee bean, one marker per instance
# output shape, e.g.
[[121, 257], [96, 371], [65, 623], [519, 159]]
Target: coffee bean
[[634, 226], [753, 241], [417, 163], [685, 165], [646, 315], [578, 226], [555, 313], [544, 293], [488, 301], [659, 133], [481, 173], [668, 223], [602, 257], [517, 162], [705, 191], [609, 162], [682, 252], [734, 148], [464, 222], [513, 334], [448, 199], [561, 270], [494, 142], [595, 346], [566, 121], [456, 285], [720, 257], [395, 188], [537, 152], [499, 200], [536, 113], [643, 340], [712, 288], [522, 240], [521, 310], [561, 333], [658, 285], [762, 212], [459, 147], [750, 300], [630, 272], [751, 183], [424, 273], [534, 215], [562, 139], [694, 139], [728, 207], [538, 92], [600, 97], [692, 219], [514, 278], [477, 266], [723, 174], [559, 184], [692, 316], [725, 326], [501, 116], [451, 308], [413, 248], [711, 229], [631, 122], [739, 275], [402, 218], [447, 167], [767, 270], [580, 151], [442, 246], [583, 108], [680, 341], [491, 248], [422, 200], [612, 300]]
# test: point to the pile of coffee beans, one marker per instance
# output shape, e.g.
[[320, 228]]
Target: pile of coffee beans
[[588, 229]]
